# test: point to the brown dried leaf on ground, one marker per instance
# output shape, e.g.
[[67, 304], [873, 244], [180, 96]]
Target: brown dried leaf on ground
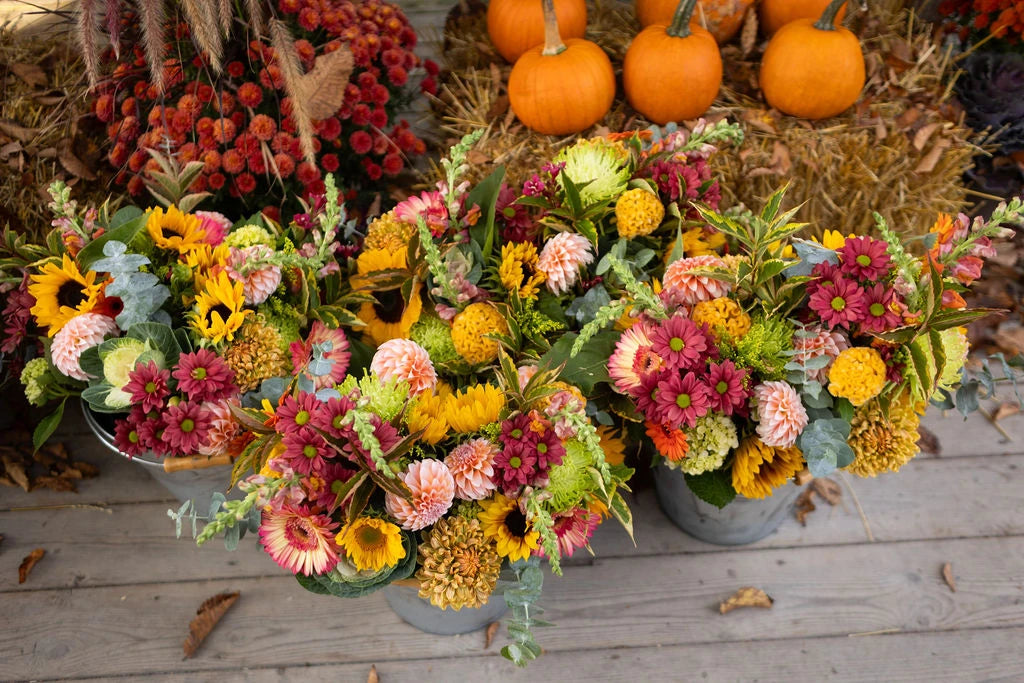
[[927, 441], [828, 490], [207, 616], [14, 468], [804, 506], [947, 574], [748, 35], [372, 677], [492, 630], [30, 561], [747, 596], [1005, 410], [32, 74]]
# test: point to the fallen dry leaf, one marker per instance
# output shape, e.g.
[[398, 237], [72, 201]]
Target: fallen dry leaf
[[930, 160], [1005, 410], [207, 616], [927, 441], [760, 119], [32, 74], [1010, 339], [492, 630], [73, 164], [781, 162], [923, 134], [827, 489], [13, 130], [804, 506], [947, 574], [372, 677], [748, 35], [30, 561], [747, 596]]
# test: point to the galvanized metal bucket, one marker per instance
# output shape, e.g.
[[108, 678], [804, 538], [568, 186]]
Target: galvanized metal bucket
[[414, 610], [742, 521], [195, 485]]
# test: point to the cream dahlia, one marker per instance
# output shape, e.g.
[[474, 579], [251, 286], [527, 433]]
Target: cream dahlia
[[404, 360], [257, 284], [223, 428], [622, 366], [781, 414], [433, 490], [561, 260], [78, 334], [814, 342], [471, 465], [683, 287]]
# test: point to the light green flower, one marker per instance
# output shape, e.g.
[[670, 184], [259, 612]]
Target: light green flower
[[599, 167], [572, 479], [248, 236], [435, 335], [35, 377], [710, 440]]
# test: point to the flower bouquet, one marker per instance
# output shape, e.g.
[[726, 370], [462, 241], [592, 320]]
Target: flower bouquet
[[788, 354]]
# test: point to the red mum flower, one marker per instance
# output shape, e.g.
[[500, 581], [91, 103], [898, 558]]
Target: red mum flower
[[840, 304], [329, 162], [825, 274], [681, 400], [245, 182], [235, 69], [147, 385], [186, 427], [204, 376], [127, 437], [308, 173], [285, 164], [262, 127], [361, 142], [250, 94], [393, 164], [216, 181]]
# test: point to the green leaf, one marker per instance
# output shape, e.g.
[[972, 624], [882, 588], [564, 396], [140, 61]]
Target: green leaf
[[587, 228], [47, 426], [588, 367], [947, 318], [620, 510], [823, 443], [714, 487], [126, 232], [485, 195]]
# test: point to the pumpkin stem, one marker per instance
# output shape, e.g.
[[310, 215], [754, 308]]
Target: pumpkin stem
[[680, 26], [827, 22], [553, 44]]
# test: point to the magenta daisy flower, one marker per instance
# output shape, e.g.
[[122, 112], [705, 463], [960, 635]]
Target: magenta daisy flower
[[332, 476], [880, 315], [386, 434], [547, 446], [186, 427], [330, 418], [204, 376], [681, 400], [305, 450], [339, 355], [515, 466], [646, 394], [302, 544], [127, 437], [727, 391], [296, 412], [148, 386], [864, 258], [825, 274], [680, 343], [840, 304]]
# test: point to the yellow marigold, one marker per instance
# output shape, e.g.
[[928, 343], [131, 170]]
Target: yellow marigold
[[428, 414], [883, 442], [858, 374], [697, 242], [388, 233], [518, 270], [723, 316], [757, 468], [469, 328], [459, 565], [638, 212], [473, 407]]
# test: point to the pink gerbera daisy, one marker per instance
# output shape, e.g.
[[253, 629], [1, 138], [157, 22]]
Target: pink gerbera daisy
[[204, 376], [305, 450], [682, 286], [840, 304], [404, 360], [472, 467], [78, 334], [296, 412], [429, 205], [561, 259], [680, 343], [681, 400], [433, 491], [257, 283], [574, 530], [880, 316], [780, 413], [302, 544], [865, 258], [646, 395], [186, 425], [727, 392], [334, 348], [621, 364], [147, 385]]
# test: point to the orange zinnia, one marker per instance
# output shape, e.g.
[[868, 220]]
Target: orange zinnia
[[671, 443]]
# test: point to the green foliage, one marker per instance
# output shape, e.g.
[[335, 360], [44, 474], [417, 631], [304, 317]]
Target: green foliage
[[522, 600], [342, 584], [588, 366], [714, 487], [485, 195], [543, 524], [48, 425], [765, 347], [823, 443]]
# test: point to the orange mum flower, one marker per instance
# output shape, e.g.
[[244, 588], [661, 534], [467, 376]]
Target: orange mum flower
[[671, 443]]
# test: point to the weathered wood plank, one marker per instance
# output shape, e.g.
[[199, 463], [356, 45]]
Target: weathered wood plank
[[974, 436], [635, 602], [989, 655]]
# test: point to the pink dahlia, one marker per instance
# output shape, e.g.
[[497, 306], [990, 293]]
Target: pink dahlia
[[302, 544], [781, 414], [561, 260], [681, 344], [433, 490], [429, 205], [864, 259], [683, 287], [215, 226], [334, 348], [404, 360], [223, 427], [815, 341], [622, 365], [257, 283], [840, 304], [204, 376], [78, 334], [681, 400], [186, 427], [472, 467], [880, 315], [573, 530], [147, 385], [727, 392], [525, 374]]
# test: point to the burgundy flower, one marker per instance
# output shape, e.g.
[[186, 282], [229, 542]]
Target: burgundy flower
[[546, 444], [515, 466], [840, 304], [186, 426], [825, 274], [128, 439], [864, 258], [148, 386], [681, 400], [880, 316], [204, 376], [331, 416], [297, 412], [680, 343], [305, 450], [727, 392], [646, 395]]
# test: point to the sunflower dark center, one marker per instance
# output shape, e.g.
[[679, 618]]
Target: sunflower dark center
[[369, 537], [516, 523], [223, 310], [389, 306], [167, 233], [71, 294]]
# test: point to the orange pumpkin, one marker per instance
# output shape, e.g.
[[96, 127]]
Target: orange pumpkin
[[673, 73], [517, 25], [813, 69], [722, 18], [561, 88], [774, 14]]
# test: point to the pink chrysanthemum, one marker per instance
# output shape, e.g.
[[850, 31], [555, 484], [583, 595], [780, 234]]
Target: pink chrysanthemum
[[223, 427], [339, 355], [621, 365], [298, 411], [78, 334], [824, 274], [215, 226], [257, 284], [864, 258], [429, 205], [433, 490], [682, 344], [472, 467], [816, 341], [561, 260], [127, 437], [780, 413], [840, 304], [683, 287], [727, 392], [305, 450], [331, 417], [147, 385], [186, 427], [204, 376], [404, 360], [302, 544], [574, 530], [681, 400], [880, 316]]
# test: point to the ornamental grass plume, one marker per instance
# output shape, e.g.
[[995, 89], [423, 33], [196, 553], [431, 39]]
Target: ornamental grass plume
[[469, 328], [858, 375], [758, 468], [883, 441], [459, 565]]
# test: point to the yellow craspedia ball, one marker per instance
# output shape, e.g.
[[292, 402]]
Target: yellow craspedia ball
[[638, 213], [469, 328], [858, 375], [723, 316]]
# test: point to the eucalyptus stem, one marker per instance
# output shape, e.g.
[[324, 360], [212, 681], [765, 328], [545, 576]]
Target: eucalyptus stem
[[680, 26], [553, 44], [827, 22]]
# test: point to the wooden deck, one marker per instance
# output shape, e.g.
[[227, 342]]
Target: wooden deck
[[115, 592]]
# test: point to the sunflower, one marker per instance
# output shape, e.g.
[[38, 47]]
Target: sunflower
[[518, 270], [428, 414], [174, 230], [372, 544], [202, 261], [372, 261], [473, 407], [507, 525], [218, 311], [390, 316], [757, 468], [61, 293]]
